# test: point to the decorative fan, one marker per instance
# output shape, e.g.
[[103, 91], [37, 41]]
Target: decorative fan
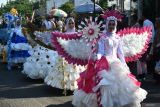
[[135, 42], [90, 29], [77, 48]]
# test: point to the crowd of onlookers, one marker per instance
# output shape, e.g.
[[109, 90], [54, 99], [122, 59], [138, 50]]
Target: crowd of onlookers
[[149, 62]]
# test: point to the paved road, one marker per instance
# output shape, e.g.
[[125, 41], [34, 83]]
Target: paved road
[[16, 90]]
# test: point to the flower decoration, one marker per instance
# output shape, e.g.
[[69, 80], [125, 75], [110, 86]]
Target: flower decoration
[[90, 29]]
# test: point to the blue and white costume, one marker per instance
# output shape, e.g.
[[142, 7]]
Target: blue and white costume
[[17, 47]]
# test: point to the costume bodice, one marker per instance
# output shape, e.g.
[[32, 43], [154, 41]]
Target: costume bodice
[[108, 45]]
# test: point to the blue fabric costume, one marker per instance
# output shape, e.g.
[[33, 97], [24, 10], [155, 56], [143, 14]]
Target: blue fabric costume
[[17, 47]]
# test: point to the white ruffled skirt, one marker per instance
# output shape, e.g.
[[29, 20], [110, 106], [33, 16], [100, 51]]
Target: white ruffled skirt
[[64, 75], [116, 87], [41, 61]]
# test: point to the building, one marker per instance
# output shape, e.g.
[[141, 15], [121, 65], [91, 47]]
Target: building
[[54, 3], [123, 5]]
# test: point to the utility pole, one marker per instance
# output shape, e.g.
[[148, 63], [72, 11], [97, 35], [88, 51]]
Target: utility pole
[[122, 2], [157, 9], [140, 8], [130, 10], [94, 7]]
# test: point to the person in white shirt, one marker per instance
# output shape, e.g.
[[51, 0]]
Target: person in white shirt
[[47, 24]]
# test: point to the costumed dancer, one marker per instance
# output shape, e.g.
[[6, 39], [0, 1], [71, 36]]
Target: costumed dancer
[[17, 46], [7, 27], [64, 75], [108, 81]]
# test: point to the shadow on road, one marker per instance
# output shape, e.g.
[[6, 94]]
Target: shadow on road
[[13, 84], [67, 104]]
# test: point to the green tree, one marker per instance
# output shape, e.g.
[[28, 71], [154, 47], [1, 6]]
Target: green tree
[[67, 7], [22, 6], [103, 4]]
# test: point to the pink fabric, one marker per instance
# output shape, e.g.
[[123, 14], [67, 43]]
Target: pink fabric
[[102, 64], [87, 78], [135, 81], [86, 82]]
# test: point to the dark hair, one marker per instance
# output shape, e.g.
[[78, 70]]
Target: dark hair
[[135, 17], [145, 14], [140, 21]]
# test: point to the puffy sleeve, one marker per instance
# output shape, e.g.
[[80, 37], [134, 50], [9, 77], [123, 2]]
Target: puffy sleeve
[[120, 53], [101, 48]]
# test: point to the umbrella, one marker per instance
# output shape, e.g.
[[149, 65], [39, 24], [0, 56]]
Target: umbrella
[[58, 13], [88, 8]]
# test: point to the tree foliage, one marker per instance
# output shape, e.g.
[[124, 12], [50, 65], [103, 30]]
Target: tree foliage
[[67, 7], [103, 4], [23, 7]]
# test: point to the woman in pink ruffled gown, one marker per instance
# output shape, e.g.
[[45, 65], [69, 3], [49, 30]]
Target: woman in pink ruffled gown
[[107, 82]]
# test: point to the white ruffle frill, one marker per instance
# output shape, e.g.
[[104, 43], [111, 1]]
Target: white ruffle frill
[[116, 87], [41, 61], [64, 75]]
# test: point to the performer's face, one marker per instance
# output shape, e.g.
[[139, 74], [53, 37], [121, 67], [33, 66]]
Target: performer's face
[[71, 24], [111, 25]]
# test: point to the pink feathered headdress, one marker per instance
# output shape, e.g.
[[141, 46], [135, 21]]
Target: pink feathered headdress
[[112, 15]]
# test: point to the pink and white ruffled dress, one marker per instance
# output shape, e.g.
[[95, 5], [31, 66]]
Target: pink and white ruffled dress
[[108, 81]]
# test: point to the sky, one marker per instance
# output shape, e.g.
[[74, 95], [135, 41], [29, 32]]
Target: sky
[[3, 1]]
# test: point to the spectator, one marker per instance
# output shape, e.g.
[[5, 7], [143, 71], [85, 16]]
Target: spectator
[[47, 24], [156, 50], [150, 61]]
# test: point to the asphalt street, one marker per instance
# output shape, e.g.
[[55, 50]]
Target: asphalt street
[[17, 90]]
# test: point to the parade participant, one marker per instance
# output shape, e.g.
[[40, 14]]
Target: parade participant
[[70, 26], [64, 75], [115, 86], [50, 66], [149, 57], [17, 46]]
